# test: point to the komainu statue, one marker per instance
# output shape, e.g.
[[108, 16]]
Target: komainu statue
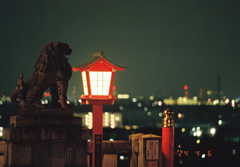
[[53, 71]]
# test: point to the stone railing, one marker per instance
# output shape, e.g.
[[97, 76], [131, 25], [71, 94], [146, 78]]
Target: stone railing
[[145, 150]]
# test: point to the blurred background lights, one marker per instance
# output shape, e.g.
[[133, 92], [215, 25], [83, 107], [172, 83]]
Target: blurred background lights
[[121, 108], [112, 121], [212, 131], [203, 155], [160, 103], [160, 114], [219, 122], [149, 113], [134, 99], [145, 109], [183, 129], [199, 133], [88, 120], [209, 92], [139, 104], [121, 157], [198, 141], [151, 97], [123, 96], [227, 101], [134, 126], [234, 152]]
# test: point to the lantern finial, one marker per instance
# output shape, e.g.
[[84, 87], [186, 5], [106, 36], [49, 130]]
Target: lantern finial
[[98, 54]]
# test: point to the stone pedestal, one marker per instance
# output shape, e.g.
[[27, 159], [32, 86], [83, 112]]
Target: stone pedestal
[[45, 138]]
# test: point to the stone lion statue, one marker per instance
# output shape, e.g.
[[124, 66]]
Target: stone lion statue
[[53, 71]]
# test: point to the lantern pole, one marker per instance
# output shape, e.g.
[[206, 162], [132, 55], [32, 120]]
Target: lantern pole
[[97, 136], [168, 138]]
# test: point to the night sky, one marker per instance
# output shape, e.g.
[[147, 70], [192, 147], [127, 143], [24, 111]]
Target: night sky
[[165, 44]]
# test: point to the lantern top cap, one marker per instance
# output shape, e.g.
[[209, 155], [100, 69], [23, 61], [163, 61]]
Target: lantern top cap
[[98, 57], [98, 54]]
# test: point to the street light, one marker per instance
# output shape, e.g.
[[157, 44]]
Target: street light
[[97, 77]]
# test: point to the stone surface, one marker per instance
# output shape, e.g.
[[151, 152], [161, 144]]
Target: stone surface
[[46, 111], [45, 141], [110, 160], [113, 147], [45, 121]]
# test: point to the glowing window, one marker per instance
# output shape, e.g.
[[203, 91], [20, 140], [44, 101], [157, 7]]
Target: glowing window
[[100, 82], [84, 79]]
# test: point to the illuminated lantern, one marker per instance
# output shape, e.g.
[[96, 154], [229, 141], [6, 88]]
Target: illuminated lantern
[[97, 77]]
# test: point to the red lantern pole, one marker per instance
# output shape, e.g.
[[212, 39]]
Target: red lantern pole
[[168, 138], [97, 136]]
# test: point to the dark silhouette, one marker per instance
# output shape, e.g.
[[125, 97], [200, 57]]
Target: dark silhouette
[[53, 71]]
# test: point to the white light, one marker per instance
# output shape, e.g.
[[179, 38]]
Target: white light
[[84, 80], [121, 157], [149, 113], [111, 139], [1, 134], [193, 129], [139, 104], [100, 82], [227, 101], [198, 128], [160, 103], [160, 114], [213, 131], [203, 155], [134, 99], [220, 122], [195, 134], [117, 118], [195, 98], [199, 133], [1, 102], [145, 109], [112, 121]]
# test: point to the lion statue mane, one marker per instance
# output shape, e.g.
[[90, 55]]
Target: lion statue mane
[[53, 71]]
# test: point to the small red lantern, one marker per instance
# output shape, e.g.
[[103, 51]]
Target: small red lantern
[[97, 77]]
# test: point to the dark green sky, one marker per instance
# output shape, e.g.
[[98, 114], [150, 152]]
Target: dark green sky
[[166, 44]]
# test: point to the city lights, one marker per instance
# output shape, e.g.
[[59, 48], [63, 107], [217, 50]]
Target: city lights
[[88, 120], [134, 99], [151, 97], [123, 96], [212, 131]]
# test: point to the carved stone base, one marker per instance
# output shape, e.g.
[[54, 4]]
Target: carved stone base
[[45, 140]]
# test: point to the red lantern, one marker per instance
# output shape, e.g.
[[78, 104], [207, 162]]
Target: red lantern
[[97, 77]]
